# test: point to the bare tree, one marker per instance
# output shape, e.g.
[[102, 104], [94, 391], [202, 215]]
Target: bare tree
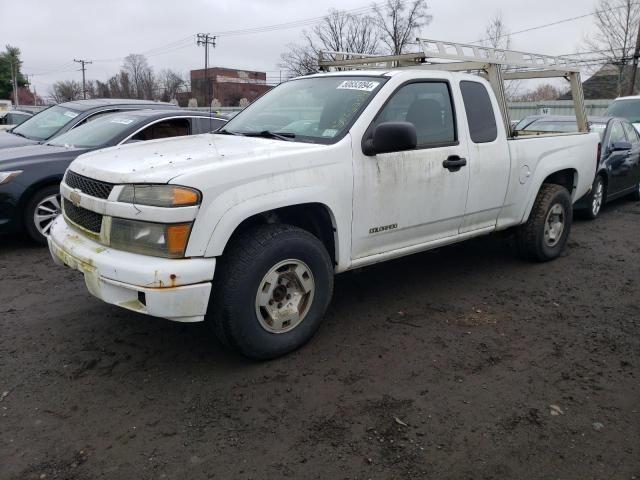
[[497, 36], [170, 83], [339, 32], [66, 91], [139, 72], [400, 21], [613, 42], [543, 92]]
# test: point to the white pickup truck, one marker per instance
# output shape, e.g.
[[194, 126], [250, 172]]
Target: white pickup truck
[[245, 228]]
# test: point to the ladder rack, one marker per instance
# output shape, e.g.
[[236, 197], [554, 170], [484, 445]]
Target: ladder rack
[[495, 64]]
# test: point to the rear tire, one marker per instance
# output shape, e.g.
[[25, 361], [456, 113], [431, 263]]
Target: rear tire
[[271, 289], [40, 212], [544, 236]]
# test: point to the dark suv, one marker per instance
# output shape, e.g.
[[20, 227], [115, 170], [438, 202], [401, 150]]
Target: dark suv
[[63, 117]]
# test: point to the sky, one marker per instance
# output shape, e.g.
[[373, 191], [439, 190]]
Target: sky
[[52, 33]]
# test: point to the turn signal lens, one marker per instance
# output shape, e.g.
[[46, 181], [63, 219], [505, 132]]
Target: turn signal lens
[[159, 195], [185, 196], [177, 236]]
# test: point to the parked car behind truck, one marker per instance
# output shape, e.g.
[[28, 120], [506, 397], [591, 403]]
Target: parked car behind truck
[[618, 170], [30, 176], [61, 118], [245, 228]]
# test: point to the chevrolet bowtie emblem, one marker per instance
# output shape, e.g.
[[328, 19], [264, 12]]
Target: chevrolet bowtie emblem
[[75, 198]]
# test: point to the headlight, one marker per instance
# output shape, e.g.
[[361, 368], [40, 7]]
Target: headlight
[[156, 239], [160, 195], [6, 177]]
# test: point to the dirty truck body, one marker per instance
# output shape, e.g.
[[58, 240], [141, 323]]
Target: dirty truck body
[[246, 227]]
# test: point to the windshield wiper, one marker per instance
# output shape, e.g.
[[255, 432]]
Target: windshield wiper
[[286, 136], [225, 132]]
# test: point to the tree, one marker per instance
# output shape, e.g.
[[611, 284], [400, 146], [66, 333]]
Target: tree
[[170, 84], [543, 92], [399, 22], [10, 64], [337, 32], [143, 84], [616, 29], [497, 36], [66, 91]]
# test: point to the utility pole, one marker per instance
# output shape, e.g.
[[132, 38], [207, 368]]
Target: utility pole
[[84, 85], [207, 39], [30, 84], [636, 54]]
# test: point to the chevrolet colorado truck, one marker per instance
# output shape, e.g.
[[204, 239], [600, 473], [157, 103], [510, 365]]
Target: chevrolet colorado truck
[[246, 227]]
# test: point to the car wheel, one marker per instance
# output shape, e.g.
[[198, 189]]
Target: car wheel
[[596, 199], [40, 212], [271, 290], [544, 236]]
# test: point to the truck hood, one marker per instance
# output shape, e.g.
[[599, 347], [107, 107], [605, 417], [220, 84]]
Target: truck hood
[[160, 161]]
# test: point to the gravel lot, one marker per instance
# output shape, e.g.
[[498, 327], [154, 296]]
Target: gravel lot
[[461, 363]]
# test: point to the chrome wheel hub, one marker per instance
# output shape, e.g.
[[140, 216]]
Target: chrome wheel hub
[[45, 213], [554, 225], [284, 296], [598, 196]]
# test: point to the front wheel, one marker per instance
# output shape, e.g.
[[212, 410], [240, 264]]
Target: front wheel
[[40, 212], [271, 290], [544, 236]]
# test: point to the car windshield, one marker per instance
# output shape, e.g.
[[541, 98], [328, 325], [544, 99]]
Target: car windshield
[[629, 109], [101, 132], [46, 124], [552, 126], [316, 109]]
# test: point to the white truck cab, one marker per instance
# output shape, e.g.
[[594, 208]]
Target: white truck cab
[[246, 227]]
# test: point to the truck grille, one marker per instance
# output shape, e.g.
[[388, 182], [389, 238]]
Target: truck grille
[[94, 188], [87, 219]]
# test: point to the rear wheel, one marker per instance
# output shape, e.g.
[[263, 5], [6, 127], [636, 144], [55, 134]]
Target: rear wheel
[[596, 199], [544, 236], [271, 290], [41, 210]]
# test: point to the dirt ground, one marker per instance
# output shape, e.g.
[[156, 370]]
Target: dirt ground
[[464, 363]]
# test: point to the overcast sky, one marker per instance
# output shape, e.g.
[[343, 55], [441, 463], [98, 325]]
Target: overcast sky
[[51, 33]]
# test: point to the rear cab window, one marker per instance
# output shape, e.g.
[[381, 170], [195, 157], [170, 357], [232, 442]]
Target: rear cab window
[[481, 117]]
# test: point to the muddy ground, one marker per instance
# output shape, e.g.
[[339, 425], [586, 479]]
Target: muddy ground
[[465, 363]]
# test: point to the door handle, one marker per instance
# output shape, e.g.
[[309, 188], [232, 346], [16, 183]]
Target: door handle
[[454, 163]]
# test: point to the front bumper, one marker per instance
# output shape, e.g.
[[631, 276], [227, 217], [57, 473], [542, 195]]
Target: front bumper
[[173, 289]]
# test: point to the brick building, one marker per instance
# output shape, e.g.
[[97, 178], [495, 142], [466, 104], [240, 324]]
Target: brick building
[[228, 85]]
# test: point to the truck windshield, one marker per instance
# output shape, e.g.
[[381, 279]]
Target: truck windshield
[[315, 109], [45, 124], [629, 109]]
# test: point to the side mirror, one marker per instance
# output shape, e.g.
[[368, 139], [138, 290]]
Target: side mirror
[[620, 146], [391, 137]]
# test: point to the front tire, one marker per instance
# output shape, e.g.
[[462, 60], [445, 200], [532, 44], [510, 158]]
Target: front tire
[[40, 212], [271, 290], [544, 236]]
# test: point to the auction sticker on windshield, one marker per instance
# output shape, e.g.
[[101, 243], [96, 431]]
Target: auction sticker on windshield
[[362, 85], [70, 114], [123, 121]]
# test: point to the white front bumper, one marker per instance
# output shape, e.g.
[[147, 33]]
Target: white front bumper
[[173, 289]]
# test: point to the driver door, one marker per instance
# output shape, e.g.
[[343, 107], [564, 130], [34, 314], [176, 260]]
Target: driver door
[[403, 199]]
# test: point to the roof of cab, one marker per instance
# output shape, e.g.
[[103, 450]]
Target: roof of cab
[[157, 113]]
